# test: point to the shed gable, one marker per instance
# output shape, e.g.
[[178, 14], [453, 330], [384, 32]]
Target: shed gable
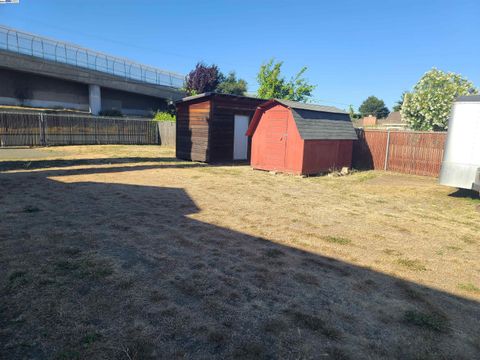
[[314, 122]]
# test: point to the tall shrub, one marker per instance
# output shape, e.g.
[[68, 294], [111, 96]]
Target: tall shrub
[[202, 79], [428, 106]]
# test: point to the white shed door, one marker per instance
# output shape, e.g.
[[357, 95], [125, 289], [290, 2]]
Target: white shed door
[[240, 140]]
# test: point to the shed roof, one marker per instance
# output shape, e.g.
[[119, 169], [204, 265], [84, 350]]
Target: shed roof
[[468, 98], [313, 107], [314, 122], [208, 94]]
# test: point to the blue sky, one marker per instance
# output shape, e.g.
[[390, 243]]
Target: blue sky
[[353, 49]]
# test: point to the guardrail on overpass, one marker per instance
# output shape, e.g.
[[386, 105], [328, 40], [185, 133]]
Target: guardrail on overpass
[[29, 44]]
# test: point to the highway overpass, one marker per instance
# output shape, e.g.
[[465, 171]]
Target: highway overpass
[[41, 72]]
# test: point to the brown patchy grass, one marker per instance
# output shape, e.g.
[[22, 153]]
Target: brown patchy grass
[[413, 265], [125, 252]]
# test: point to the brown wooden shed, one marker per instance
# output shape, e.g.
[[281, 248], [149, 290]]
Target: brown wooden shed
[[212, 127]]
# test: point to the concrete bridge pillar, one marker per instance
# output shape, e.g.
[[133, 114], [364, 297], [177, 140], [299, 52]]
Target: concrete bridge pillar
[[94, 99]]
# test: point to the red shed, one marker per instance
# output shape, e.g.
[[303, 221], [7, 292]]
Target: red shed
[[299, 138]]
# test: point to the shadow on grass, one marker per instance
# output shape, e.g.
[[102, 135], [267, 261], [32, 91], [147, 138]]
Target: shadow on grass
[[42, 164], [465, 194], [102, 270]]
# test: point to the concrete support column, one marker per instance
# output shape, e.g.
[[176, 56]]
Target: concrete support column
[[94, 99]]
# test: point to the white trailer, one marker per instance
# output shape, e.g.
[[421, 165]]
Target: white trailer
[[461, 158]]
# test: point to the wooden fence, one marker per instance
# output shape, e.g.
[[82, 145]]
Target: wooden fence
[[40, 129], [411, 152], [167, 131], [20, 129]]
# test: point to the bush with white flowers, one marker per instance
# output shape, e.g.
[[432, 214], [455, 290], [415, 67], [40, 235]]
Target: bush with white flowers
[[428, 106]]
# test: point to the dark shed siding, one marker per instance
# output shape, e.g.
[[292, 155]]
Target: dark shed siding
[[224, 109], [192, 130]]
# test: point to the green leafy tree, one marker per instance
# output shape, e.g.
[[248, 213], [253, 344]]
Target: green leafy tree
[[273, 85], [353, 114], [398, 105], [374, 106], [428, 106], [231, 85]]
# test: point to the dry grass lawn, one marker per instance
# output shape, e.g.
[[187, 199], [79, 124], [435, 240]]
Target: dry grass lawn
[[125, 252]]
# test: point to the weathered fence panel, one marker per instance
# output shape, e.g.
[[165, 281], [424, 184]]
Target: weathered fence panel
[[74, 130], [69, 130], [411, 152], [20, 130], [37, 129], [167, 131], [369, 150], [416, 152]]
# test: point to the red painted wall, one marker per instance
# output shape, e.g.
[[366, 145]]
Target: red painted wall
[[325, 155], [295, 148], [276, 143]]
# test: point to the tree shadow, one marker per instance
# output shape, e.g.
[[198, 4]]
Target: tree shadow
[[112, 270]]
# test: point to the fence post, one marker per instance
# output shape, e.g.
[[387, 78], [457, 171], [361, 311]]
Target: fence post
[[385, 166], [95, 131], [42, 130]]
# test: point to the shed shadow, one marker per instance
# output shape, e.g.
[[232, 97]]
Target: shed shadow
[[362, 158]]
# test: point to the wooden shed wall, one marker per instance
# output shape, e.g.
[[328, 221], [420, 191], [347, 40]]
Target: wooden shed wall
[[277, 145], [324, 155], [224, 109], [193, 130], [295, 147], [276, 142]]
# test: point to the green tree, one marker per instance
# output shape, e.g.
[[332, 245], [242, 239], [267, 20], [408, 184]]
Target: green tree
[[428, 106], [374, 106], [353, 114], [231, 85], [273, 85], [398, 105]]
